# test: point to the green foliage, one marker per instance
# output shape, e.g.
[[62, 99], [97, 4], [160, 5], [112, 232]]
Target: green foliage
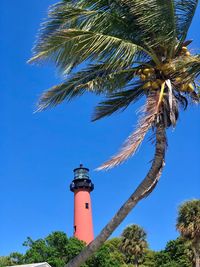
[[188, 224], [5, 261], [108, 255], [133, 244], [188, 221], [176, 254], [149, 260], [103, 259], [56, 249], [73, 248], [105, 47], [130, 250], [116, 36], [179, 252], [16, 258]]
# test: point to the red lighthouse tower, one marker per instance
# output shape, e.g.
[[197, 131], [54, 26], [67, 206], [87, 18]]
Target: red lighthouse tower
[[81, 186]]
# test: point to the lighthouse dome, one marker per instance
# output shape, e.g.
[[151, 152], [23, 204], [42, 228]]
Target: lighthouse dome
[[81, 179]]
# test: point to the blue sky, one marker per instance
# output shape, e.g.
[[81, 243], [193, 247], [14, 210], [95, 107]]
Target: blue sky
[[39, 151]]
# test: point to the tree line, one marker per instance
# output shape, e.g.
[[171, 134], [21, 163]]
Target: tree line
[[131, 249]]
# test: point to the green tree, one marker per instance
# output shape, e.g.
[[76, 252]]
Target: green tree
[[73, 248], [16, 258], [134, 244], [130, 49], [188, 224], [179, 252], [56, 249], [108, 255], [176, 254], [149, 260], [5, 261]]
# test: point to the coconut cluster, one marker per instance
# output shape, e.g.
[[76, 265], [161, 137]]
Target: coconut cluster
[[185, 52], [179, 81], [149, 75], [154, 77]]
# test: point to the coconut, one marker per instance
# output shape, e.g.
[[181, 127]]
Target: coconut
[[190, 88], [187, 54], [183, 87], [165, 69], [148, 71], [184, 49], [178, 79], [147, 85], [155, 84], [149, 75], [143, 77], [159, 81]]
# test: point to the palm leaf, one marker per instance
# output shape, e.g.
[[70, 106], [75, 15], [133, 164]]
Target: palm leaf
[[80, 16], [72, 47], [103, 20], [186, 67], [185, 10], [154, 21], [135, 139], [118, 102], [96, 79]]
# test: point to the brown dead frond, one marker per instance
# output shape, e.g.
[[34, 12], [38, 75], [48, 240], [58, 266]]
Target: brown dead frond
[[146, 121]]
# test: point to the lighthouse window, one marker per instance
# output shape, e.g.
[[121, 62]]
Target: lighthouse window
[[74, 228], [87, 205]]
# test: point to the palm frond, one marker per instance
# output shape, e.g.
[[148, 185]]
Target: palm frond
[[96, 79], [71, 47], [118, 21], [82, 16], [186, 67], [185, 10], [193, 68], [154, 21], [118, 102], [135, 139]]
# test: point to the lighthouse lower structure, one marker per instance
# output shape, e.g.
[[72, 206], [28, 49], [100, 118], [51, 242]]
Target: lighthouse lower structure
[[81, 186]]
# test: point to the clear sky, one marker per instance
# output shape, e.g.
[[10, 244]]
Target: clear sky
[[39, 151]]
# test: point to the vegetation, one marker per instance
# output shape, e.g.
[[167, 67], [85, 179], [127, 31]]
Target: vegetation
[[134, 244], [188, 224], [57, 249], [130, 49]]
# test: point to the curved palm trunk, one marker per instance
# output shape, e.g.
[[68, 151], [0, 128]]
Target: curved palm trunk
[[142, 191]]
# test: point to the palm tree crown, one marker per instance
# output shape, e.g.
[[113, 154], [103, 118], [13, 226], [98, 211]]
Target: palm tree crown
[[188, 224], [133, 243], [188, 221], [125, 50]]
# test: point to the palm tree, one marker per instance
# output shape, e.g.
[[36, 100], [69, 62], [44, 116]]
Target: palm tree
[[188, 224], [133, 244], [124, 50]]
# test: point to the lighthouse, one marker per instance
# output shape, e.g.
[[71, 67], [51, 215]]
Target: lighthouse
[[81, 186]]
